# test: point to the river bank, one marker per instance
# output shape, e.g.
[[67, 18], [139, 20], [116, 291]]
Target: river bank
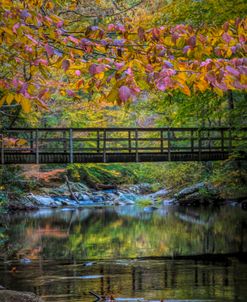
[[78, 195]]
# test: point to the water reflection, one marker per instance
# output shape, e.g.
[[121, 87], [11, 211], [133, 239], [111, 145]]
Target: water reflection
[[149, 279], [108, 233], [73, 252]]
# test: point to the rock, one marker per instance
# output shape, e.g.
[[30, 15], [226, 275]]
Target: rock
[[189, 190], [199, 193], [124, 197], [98, 198], [168, 202], [14, 296], [82, 196], [22, 204], [160, 193], [143, 188], [45, 201]]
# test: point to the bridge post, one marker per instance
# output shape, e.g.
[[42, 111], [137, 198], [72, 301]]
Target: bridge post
[[31, 141], [2, 149], [71, 158], [129, 140], [64, 142], [37, 146], [161, 141], [104, 146], [192, 140], [169, 144], [136, 145], [222, 141], [230, 140], [199, 145], [98, 141]]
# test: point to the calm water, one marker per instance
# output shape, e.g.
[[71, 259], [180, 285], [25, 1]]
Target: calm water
[[63, 254]]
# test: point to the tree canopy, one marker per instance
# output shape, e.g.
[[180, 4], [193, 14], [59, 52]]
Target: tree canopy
[[102, 52]]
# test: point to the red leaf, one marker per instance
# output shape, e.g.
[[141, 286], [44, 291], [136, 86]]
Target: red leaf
[[124, 93]]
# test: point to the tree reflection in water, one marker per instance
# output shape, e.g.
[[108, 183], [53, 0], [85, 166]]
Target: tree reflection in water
[[61, 242]]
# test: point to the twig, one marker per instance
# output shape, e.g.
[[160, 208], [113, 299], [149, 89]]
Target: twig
[[95, 295], [70, 190]]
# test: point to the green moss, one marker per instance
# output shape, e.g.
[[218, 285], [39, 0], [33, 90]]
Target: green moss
[[143, 202]]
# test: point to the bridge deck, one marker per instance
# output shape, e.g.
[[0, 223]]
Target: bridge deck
[[101, 145]]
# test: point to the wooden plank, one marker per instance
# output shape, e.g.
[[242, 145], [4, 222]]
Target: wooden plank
[[124, 129]]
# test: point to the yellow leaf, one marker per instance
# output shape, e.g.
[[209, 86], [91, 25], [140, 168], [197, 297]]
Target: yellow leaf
[[9, 98], [100, 75], [113, 95], [202, 85], [2, 101], [18, 98], [25, 104], [218, 91]]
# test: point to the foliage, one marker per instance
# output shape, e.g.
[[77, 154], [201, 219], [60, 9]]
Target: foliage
[[45, 51], [12, 183], [230, 178]]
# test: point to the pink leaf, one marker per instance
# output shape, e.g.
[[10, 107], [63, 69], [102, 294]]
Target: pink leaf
[[111, 27], [59, 24], [49, 50], [70, 92], [124, 93], [232, 71], [32, 39], [226, 37], [74, 40], [15, 27]]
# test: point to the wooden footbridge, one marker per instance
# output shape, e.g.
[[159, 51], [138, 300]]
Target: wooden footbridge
[[108, 145]]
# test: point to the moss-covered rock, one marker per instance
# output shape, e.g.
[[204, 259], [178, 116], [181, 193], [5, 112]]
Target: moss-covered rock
[[14, 296]]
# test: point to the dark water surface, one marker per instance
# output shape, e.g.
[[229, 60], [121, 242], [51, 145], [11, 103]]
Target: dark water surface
[[127, 251]]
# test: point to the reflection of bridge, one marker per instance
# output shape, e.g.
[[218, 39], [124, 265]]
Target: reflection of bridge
[[100, 145]]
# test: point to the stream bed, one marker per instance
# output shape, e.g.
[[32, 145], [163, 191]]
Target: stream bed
[[170, 253]]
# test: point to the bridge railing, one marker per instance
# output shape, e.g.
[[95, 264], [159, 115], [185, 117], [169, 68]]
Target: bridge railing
[[121, 140]]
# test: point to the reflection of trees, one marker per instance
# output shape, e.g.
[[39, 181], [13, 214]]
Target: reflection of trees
[[106, 233], [152, 279]]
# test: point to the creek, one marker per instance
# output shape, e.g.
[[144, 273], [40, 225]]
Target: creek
[[172, 252]]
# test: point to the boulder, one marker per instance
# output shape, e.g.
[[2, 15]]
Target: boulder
[[200, 193], [44, 201], [14, 296], [189, 190], [158, 194]]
